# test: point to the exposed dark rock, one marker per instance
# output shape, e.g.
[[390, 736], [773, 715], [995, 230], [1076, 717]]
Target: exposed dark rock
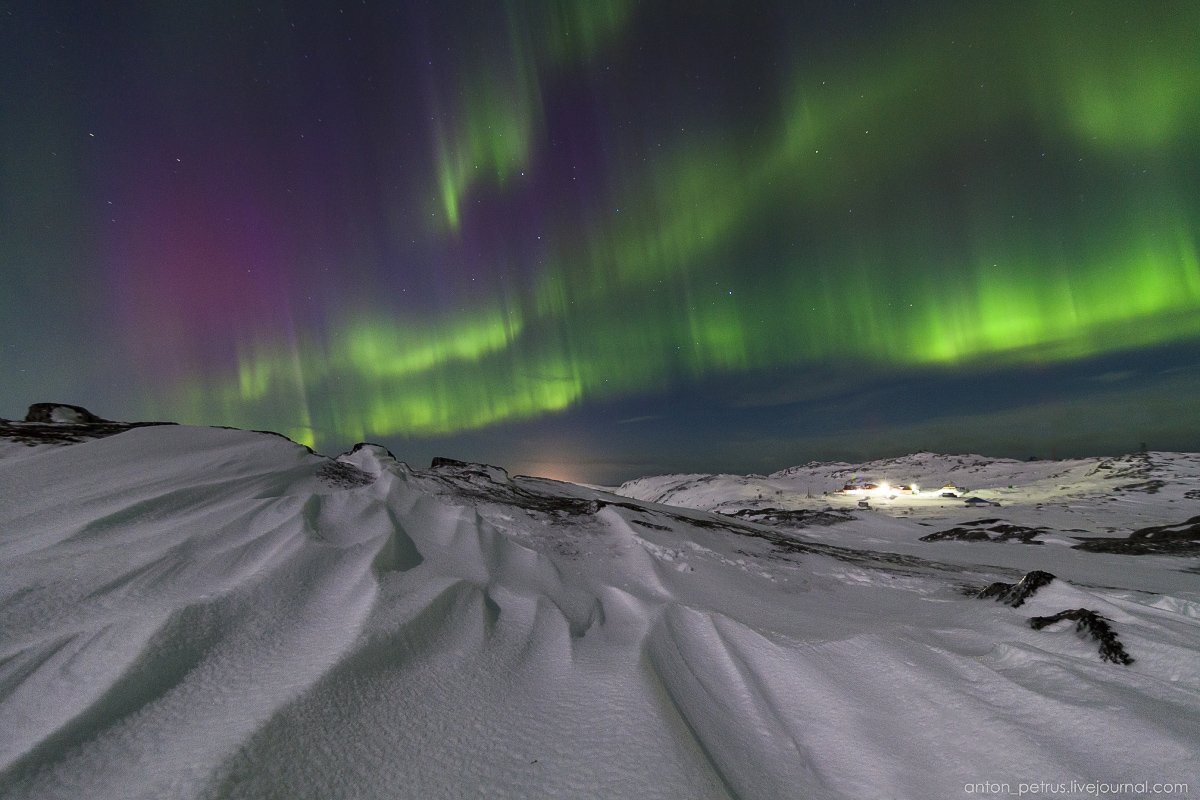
[[482, 473], [362, 445], [63, 424], [485, 482], [958, 535], [1015, 594], [795, 518], [344, 476], [440, 462], [61, 413], [988, 530], [1088, 621], [1148, 487], [1134, 465], [1182, 539]]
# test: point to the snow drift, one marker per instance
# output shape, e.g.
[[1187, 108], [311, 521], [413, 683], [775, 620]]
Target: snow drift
[[210, 613]]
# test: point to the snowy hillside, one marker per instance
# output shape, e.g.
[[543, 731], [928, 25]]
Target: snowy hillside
[[210, 613]]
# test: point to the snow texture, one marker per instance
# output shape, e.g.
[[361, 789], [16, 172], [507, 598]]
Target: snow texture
[[210, 613]]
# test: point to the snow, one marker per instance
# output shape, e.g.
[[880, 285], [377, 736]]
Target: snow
[[65, 414], [209, 613]]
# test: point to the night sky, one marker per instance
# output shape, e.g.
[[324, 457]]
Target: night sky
[[605, 238]]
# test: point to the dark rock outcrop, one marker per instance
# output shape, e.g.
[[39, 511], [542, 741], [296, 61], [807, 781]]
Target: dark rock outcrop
[[493, 484], [1181, 539], [1015, 594], [1147, 487], [1096, 626], [440, 462], [61, 413], [378, 447], [62, 424], [988, 530], [341, 475], [794, 518]]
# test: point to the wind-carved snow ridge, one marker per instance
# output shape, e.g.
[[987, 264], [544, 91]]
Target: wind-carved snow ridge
[[211, 613], [728, 706]]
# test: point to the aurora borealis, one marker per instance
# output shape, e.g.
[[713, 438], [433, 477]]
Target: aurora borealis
[[600, 238]]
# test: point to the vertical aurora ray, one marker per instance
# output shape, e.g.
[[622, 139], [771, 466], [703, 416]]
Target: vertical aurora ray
[[489, 138], [489, 118]]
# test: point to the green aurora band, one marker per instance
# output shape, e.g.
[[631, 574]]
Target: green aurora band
[[1066, 264]]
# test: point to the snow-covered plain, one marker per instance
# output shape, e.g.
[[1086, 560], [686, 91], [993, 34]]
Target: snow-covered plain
[[211, 613]]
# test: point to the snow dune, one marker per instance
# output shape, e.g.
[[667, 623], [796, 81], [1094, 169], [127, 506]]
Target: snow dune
[[209, 613]]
